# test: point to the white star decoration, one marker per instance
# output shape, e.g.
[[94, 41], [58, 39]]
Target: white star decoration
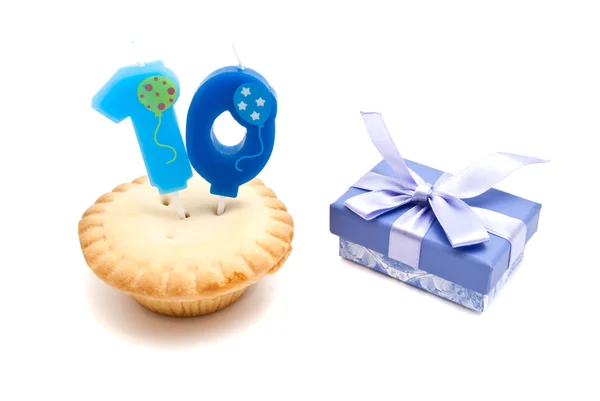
[[245, 91], [260, 102], [242, 105], [255, 116]]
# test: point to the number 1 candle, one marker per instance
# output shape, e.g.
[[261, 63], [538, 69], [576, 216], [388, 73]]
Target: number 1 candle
[[253, 104], [146, 93]]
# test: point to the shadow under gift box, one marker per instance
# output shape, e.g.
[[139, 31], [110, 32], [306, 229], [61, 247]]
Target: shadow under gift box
[[469, 276]]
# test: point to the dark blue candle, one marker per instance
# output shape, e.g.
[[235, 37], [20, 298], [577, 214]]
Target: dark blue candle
[[253, 104]]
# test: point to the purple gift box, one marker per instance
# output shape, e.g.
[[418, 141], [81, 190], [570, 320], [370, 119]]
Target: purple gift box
[[453, 236]]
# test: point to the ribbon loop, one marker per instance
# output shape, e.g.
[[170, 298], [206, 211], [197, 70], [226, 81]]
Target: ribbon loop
[[373, 204]]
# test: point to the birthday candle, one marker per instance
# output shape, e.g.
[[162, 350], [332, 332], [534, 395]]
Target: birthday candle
[[146, 93], [253, 104]]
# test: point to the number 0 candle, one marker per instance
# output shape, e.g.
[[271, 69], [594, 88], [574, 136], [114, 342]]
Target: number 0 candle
[[253, 104], [146, 93]]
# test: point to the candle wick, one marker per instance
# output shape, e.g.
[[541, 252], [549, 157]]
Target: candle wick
[[136, 53], [220, 206], [178, 205], [240, 65]]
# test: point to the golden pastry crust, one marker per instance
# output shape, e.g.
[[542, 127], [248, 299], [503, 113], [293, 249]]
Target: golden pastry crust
[[133, 240]]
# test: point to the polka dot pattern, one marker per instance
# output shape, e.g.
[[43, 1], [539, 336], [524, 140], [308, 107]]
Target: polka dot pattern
[[157, 94]]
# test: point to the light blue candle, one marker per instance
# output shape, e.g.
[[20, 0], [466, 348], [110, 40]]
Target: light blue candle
[[146, 93], [253, 104]]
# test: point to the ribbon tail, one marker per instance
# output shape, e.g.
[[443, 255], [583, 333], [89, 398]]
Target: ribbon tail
[[484, 174], [460, 223], [416, 177], [407, 235], [442, 178], [511, 229], [384, 143]]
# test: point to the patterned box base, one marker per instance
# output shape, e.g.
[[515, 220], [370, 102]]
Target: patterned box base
[[421, 279]]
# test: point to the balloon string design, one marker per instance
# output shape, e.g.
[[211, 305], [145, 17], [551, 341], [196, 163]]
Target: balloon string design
[[262, 149], [162, 145]]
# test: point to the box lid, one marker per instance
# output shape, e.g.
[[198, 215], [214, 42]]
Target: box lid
[[476, 267]]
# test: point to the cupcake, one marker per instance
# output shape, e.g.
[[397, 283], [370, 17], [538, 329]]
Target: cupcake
[[133, 241]]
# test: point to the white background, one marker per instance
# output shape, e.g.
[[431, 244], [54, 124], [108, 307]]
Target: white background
[[455, 80]]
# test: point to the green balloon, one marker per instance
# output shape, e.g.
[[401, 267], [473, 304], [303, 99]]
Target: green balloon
[[157, 94]]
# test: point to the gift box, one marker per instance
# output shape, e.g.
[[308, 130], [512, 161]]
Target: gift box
[[452, 236]]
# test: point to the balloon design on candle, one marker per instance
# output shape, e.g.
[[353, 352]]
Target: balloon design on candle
[[253, 104], [158, 94]]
